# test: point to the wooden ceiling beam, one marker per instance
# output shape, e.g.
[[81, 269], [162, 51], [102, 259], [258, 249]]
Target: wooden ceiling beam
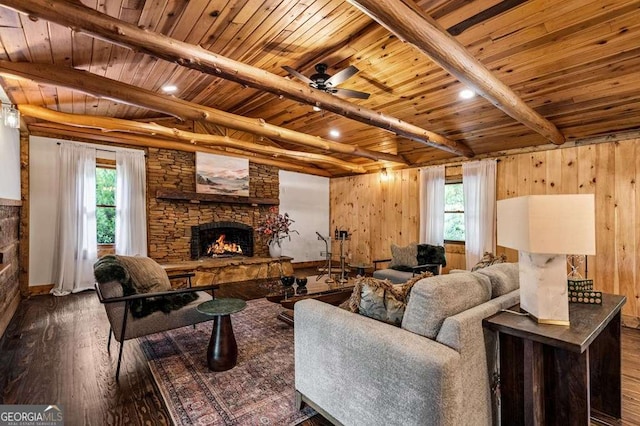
[[108, 124], [103, 87], [408, 22], [76, 133], [84, 19]]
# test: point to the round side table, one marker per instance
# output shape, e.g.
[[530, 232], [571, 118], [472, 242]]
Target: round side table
[[222, 353]]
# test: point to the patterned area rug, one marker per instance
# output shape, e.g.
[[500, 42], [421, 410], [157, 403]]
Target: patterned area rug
[[258, 391]]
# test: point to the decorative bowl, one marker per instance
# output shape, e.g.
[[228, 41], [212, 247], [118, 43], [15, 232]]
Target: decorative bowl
[[288, 280]]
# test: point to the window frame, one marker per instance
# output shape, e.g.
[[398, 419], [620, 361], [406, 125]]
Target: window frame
[[103, 163], [453, 181]]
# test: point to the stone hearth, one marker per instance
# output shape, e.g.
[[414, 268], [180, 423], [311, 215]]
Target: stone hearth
[[235, 269]]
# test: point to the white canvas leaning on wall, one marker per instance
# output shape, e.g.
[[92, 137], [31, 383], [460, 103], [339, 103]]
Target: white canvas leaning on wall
[[306, 199], [219, 174]]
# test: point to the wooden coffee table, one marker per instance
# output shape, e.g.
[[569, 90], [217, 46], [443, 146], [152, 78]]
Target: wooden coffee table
[[333, 293]]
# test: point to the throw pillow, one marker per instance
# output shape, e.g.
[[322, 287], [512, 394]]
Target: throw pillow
[[147, 276], [489, 259], [428, 253], [380, 299], [139, 275], [403, 258]]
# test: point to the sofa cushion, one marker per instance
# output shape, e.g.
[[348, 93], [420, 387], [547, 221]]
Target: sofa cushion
[[504, 277], [403, 258], [435, 298], [488, 259]]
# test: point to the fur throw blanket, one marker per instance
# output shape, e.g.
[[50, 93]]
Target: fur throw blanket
[[141, 275]]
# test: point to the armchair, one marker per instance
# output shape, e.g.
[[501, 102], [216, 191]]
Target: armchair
[[417, 258], [124, 326]]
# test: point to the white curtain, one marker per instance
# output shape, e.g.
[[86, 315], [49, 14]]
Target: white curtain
[[76, 232], [432, 205], [131, 214], [479, 186]]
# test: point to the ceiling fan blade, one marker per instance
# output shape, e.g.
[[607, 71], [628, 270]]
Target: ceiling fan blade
[[342, 76], [350, 93], [297, 74]]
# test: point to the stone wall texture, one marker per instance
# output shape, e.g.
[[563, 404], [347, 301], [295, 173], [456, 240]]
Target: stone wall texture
[[9, 267], [170, 221]]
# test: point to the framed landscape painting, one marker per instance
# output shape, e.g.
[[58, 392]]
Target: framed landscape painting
[[219, 174]]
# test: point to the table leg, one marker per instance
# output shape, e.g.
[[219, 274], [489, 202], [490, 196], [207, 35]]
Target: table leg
[[533, 383], [566, 387], [605, 371], [222, 353], [511, 379]]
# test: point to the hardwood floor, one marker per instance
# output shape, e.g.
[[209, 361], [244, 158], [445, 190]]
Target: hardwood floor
[[54, 351]]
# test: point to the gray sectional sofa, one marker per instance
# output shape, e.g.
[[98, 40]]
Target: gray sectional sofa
[[435, 369]]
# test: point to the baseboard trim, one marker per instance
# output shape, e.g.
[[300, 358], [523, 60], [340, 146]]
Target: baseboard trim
[[630, 321], [6, 317], [38, 290]]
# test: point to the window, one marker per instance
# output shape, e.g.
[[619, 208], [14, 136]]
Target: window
[[453, 212], [106, 205]]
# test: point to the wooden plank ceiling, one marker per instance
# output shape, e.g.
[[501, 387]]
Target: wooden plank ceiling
[[575, 62]]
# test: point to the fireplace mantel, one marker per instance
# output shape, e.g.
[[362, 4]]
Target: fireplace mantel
[[196, 198], [232, 269]]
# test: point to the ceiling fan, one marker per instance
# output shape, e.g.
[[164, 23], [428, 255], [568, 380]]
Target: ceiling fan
[[323, 81]]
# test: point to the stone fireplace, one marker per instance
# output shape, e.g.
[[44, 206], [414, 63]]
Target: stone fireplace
[[221, 239]]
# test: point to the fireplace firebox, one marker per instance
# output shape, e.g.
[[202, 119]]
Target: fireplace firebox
[[221, 239]]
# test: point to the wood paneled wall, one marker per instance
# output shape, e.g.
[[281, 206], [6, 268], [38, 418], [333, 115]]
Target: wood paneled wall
[[379, 213], [383, 212], [608, 170]]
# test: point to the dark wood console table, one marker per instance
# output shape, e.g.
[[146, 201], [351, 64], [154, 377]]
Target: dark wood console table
[[559, 375]]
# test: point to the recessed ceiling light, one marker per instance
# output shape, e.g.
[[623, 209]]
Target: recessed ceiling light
[[315, 108], [169, 88], [334, 133], [467, 94]]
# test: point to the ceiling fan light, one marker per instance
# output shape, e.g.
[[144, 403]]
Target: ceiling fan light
[[317, 108], [467, 94], [334, 133]]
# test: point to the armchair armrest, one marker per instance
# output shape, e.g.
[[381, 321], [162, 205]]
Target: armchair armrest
[[375, 263], [435, 268], [187, 275], [341, 356], [146, 295]]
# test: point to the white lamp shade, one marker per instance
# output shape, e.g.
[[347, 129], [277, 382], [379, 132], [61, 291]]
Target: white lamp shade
[[552, 224]]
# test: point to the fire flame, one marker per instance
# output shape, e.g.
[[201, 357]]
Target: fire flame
[[220, 246]]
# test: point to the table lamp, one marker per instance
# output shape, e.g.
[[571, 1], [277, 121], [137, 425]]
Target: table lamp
[[544, 229]]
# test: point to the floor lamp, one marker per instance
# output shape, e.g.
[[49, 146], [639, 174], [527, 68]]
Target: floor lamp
[[544, 229]]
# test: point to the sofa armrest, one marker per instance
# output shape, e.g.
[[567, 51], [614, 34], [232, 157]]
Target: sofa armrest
[[366, 372]]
